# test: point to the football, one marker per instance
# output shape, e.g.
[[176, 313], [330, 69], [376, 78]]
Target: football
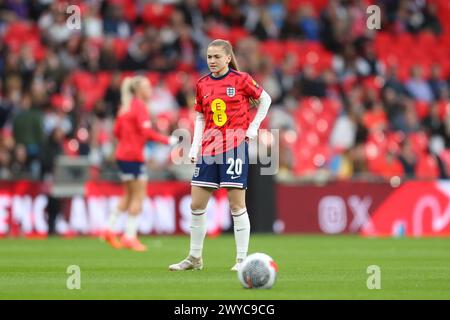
[[258, 271]]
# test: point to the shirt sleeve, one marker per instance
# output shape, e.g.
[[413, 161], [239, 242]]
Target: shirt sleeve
[[145, 125], [251, 87], [198, 100]]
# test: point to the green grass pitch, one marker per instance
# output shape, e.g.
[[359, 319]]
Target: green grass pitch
[[311, 267]]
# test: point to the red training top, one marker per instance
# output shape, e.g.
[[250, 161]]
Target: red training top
[[132, 129], [224, 102]]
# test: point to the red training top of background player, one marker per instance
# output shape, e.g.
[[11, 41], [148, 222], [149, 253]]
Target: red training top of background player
[[132, 130], [224, 102]]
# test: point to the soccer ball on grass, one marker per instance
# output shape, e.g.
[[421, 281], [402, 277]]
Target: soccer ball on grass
[[258, 271]]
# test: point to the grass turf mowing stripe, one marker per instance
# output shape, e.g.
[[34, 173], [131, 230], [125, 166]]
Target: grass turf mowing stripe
[[311, 267]]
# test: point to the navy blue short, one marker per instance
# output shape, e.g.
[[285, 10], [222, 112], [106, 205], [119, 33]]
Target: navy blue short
[[228, 169], [132, 170]]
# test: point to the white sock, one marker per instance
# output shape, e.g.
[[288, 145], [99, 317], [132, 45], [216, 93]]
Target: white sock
[[198, 232], [131, 227], [113, 216], [241, 232]]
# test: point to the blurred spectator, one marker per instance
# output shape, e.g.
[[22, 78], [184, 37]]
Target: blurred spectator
[[430, 19], [392, 81], [308, 23], [5, 164], [53, 25], [269, 81], [343, 136], [432, 123], [108, 59], [341, 165], [407, 121], [392, 105], [408, 158], [114, 22], [55, 117], [186, 94], [29, 135], [333, 30], [6, 108], [19, 164], [262, 26], [112, 95], [277, 12], [291, 27], [310, 85], [138, 54], [286, 74], [436, 83], [92, 22], [162, 100], [359, 161], [417, 87], [70, 54], [192, 14], [51, 149], [367, 64]]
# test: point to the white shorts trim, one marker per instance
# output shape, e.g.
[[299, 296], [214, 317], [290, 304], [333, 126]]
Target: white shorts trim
[[205, 184], [232, 184], [126, 176], [130, 177]]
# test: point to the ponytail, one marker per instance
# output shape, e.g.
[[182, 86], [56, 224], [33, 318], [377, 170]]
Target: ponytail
[[233, 62], [228, 48], [125, 93], [128, 90]]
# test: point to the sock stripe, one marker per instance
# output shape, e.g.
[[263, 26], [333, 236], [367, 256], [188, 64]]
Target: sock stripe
[[239, 213], [198, 212]]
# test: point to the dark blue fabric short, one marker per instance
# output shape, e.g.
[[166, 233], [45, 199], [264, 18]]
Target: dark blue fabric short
[[131, 170], [228, 169]]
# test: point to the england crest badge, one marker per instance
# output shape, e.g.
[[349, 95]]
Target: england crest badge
[[196, 172], [231, 92]]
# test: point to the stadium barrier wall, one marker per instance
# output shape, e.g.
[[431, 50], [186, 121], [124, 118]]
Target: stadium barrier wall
[[370, 209], [414, 208]]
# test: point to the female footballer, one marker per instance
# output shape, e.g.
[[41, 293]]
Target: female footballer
[[222, 128], [132, 129]]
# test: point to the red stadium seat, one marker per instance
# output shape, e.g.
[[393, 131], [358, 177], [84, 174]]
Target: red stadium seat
[[121, 47], [427, 168], [92, 87], [236, 34], [274, 49], [422, 109], [173, 82], [129, 10], [419, 142], [444, 108], [153, 77], [218, 31], [157, 14]]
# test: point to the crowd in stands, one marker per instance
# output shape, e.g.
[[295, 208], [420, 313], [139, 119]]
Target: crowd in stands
[[349, 101]]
